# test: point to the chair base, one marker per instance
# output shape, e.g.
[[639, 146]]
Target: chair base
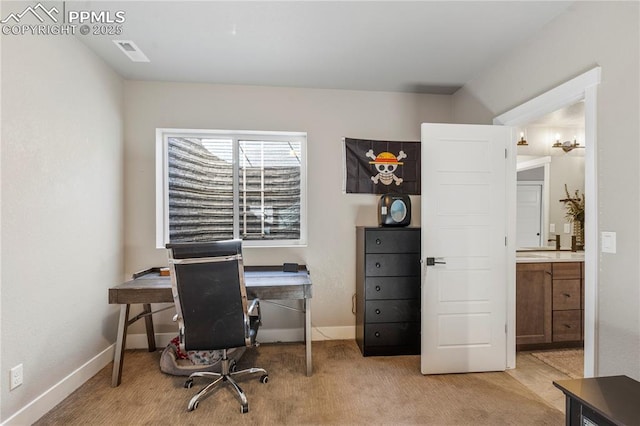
[[226, 376]]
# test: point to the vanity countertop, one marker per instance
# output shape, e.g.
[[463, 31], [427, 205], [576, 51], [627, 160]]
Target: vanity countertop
[[549, 256]]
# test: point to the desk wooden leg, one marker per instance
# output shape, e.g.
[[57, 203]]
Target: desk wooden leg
[[118, 360], [148, 322], [307, 334]]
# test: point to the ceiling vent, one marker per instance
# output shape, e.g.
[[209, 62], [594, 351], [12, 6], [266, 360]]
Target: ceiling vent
[[130, 49]]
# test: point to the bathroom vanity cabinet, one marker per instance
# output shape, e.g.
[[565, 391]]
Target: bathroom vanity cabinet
[[533, 303], [549, 304]]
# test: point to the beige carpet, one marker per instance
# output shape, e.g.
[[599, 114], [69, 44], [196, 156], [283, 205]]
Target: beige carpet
[[345, 388], [569, 361]]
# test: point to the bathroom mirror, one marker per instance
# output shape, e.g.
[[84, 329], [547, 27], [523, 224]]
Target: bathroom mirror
[[542, 172]]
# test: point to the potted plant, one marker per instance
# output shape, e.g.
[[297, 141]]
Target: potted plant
[[575, 214]]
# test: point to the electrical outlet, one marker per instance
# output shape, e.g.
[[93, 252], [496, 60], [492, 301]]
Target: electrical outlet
[[567, 228], [552, 227], [16, 376]]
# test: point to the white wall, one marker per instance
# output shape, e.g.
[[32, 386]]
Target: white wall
[[588, 34], [327, 116], [61, 215]]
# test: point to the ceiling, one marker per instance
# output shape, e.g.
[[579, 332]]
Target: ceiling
[[418, 46], [570, 116]]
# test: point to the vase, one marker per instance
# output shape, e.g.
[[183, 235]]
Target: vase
[[578, 232]]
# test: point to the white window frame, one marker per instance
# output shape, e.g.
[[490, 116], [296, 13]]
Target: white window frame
[[162, 182]]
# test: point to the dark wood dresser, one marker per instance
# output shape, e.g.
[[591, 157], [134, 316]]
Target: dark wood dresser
[[388, 291]]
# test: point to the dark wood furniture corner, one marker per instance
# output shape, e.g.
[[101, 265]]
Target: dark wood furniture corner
[[601, 401]]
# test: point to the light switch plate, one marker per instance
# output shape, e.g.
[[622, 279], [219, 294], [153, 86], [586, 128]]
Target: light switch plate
[[552, 227], [567, 228], [608, 240]]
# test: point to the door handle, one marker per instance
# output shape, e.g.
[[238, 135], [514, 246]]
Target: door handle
[[432, 261]]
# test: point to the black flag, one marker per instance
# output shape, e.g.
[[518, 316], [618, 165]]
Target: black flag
[[382, 167]]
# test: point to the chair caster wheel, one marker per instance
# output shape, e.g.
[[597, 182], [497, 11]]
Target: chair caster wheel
[[264, 379], [194, 406], [244, 409], [233, 366], [188, 384]]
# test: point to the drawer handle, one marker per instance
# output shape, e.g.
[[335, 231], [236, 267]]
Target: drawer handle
[[378, 311], [378, 242], [377, 288], [377, 334], [566, 294], [378, 264], [567, 326]]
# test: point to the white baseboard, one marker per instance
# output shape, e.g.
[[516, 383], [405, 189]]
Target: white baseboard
[[265, 335], [58, 392], [139, 341], [333, 333], [297, 334]]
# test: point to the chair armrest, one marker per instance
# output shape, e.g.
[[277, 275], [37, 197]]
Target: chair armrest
[[254, 306], [252, 321]]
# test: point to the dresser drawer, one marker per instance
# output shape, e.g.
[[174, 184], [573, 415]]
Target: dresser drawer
[[392, 288], [567, 326], [395, 241], [399, 333], [566, 295], [386, 265], [392, 310], [567, 270]]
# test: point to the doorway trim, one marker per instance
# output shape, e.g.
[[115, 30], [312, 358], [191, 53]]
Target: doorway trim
[[580, 88]]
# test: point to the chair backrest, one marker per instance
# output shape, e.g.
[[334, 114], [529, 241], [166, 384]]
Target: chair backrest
[[210, 295]]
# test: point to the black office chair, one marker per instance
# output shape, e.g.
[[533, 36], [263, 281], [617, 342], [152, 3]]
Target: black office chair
[[212, 310]]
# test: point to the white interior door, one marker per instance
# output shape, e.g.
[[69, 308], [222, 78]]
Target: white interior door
[[464, 228], [529, 215]]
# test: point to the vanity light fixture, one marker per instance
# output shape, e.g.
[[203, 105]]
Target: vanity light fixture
[[522, 141], [566, 145]]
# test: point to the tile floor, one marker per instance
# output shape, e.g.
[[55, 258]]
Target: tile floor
[[539, 377]]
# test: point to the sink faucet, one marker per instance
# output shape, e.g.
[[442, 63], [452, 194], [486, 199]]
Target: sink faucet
[[557, 240]]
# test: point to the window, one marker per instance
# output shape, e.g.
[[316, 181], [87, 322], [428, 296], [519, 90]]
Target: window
[[216, 185]]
